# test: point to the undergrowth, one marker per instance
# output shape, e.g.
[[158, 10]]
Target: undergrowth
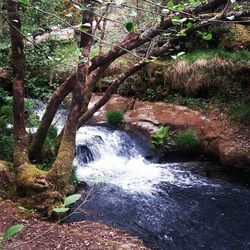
[[114, 117], [188, 140], [240, 111]]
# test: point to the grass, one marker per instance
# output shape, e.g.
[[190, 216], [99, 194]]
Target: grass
[[114, 117], [240, 112], [68, 54], [188, 140], [234, 56]]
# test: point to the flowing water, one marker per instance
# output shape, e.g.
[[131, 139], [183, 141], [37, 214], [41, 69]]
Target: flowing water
[[169, 206]]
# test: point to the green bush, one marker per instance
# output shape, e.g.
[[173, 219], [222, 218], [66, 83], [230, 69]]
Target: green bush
[[240, 112], [114, 117], [188, 140], [162, 138]]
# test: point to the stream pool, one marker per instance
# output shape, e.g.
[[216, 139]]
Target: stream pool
[[168, 205]]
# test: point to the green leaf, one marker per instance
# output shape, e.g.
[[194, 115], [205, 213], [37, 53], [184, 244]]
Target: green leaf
[[24, 1], [13, 230], [171, 4], [180, 7], [182, 33], [130, 26], [175, 20], [61, 209], [189, 25], [72, 199], [207, 36]]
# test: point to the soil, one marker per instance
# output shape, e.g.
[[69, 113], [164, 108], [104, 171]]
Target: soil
[[42, 234]]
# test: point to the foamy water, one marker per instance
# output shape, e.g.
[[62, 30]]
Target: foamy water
[[117, 160]]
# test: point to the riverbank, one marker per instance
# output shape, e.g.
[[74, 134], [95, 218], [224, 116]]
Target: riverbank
[[219, 137], [41, 234]]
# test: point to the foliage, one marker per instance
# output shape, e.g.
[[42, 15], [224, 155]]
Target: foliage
[[236, 56], [153, 93], [240, 111], [162, 138], [186, 101], [6, 138], [48, 66], [73, 176], [67, 202], [114, 117], [50, 141], [188, 140], [10, 232]]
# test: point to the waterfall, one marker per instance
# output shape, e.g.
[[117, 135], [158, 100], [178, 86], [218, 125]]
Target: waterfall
[[169, 206], [111, 156]]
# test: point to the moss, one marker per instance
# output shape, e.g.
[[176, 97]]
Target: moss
[[61, 170], [7, 180], [30, 177]]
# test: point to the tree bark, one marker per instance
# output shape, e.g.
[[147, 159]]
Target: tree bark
[[60, 172], [51, 109], [131, 41], [92, 80], [120, 79], [20, 136]]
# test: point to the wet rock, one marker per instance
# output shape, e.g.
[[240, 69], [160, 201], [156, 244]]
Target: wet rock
[[229, 142], [117, 102]]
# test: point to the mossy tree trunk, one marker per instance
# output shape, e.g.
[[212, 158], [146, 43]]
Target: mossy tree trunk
[[20, 135], [60, 172]]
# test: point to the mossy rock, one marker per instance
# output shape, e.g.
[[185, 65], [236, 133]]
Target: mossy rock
[[239, 39], [7, 180]]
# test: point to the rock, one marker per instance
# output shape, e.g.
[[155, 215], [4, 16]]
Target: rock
[[229, 142], [117, 102], [160, 113], [240, 38]]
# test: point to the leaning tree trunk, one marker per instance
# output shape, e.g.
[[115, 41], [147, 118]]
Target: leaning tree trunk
[[20, 136], [61, 170]]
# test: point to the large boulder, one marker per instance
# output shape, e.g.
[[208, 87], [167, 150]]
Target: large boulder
[[229, 142], [117, 102]]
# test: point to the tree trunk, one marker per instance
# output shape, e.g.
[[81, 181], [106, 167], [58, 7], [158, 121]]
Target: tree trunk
[[120, 79], [20, 136], [131, 41], [61, 170], [57, 98]]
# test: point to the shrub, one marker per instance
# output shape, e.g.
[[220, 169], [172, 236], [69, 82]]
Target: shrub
[[240, 112], [163, 138], [114, 117], [188, 140]]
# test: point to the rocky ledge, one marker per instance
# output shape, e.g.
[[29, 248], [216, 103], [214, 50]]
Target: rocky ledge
[[219, 137]]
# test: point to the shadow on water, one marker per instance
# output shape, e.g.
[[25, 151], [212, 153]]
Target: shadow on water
[[168, 205]]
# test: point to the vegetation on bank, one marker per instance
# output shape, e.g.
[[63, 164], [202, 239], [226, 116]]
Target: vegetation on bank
[[114, 117], [169, 140]]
